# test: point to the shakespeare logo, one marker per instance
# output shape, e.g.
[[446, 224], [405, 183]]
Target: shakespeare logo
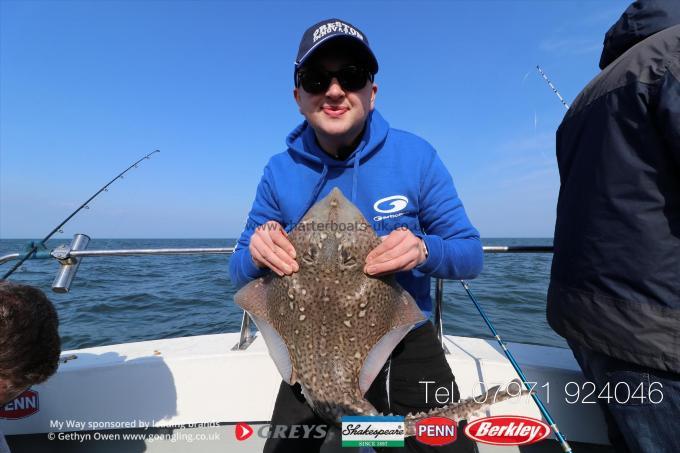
[[372, 431]]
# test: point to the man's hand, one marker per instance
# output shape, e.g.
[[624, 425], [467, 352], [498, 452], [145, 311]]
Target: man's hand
[[270, 247], [401, 250]]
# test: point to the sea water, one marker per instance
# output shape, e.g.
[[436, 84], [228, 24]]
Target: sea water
[[134, 298]]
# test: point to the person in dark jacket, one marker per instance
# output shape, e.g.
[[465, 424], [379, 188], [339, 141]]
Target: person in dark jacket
[[615, 283]]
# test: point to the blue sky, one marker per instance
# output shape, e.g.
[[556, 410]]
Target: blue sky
[[86, 88]]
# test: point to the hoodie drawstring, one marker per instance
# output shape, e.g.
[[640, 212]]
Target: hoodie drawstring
[[319, 185], [311, 200], [355, 179]]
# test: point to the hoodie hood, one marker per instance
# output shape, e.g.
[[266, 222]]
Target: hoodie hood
[[302, 143], [640, 20]]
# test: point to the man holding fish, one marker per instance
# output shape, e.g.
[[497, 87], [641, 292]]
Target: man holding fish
[[399, 184]]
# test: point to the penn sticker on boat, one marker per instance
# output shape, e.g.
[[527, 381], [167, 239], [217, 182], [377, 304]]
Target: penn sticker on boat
[[24, 405]]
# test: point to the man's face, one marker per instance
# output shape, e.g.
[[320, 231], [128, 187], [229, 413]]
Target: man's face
[[336, 115]]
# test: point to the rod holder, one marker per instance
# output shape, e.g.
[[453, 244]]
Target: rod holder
[[68, 265], [438, 322], [247, 336]]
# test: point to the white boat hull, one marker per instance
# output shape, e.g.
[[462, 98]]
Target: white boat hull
[[198, 380]]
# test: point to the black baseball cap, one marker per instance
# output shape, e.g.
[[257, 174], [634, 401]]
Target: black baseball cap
[[334, 30]]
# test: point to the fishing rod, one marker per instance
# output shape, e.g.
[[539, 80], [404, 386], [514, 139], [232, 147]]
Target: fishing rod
[[544, 411], [550, 84], [33, 247]]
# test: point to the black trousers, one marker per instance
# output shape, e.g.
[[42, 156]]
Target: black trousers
[[418, 357]]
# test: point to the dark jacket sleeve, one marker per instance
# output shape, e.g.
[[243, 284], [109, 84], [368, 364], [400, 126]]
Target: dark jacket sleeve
[[668, 111]]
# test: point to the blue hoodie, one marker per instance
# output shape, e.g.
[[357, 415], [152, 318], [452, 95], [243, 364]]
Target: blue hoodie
[[395, 179]]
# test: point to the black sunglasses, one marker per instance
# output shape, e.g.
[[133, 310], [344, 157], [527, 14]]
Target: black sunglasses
[[316, 81]]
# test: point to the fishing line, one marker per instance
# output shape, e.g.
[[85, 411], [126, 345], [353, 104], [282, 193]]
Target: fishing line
[[33, 247], [544, 411], [550, 84]]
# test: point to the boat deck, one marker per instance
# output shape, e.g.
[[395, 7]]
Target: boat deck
[[172, 386]]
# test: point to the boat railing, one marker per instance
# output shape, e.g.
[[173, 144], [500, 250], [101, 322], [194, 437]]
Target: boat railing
[[70, 256]]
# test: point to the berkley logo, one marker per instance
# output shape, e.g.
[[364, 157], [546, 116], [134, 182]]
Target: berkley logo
[[24, 405], [507, 430], [436, 431]]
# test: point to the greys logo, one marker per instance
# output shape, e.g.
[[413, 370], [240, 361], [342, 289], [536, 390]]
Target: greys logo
[[243, 431], [331, 27]]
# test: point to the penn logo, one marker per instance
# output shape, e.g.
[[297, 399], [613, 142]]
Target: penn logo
[[24, 405], [507, 430], [436, 431]]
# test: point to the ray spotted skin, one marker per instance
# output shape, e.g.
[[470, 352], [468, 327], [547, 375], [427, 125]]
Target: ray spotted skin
[[331, 327]]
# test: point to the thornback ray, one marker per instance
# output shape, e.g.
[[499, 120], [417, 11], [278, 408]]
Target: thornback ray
[[329, 326]]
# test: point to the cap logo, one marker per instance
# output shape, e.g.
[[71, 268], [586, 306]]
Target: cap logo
[[332, 27]]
